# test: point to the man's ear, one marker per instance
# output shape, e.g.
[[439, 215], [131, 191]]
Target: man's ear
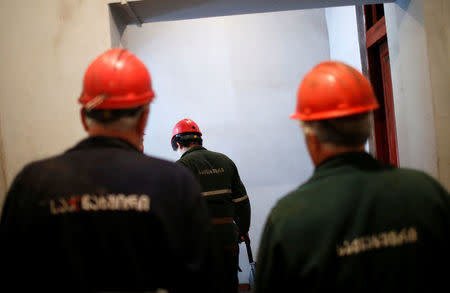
[[83, 120], [314, 146], [179, 146], [315, 142], [142, 122]]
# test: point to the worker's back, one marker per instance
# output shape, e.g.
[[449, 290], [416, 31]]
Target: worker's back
[[218, 178], [228, 204], [360, 226], [105, 217]]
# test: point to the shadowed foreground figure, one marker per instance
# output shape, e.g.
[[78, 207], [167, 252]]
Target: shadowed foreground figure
[[103, 216], [357, 225]]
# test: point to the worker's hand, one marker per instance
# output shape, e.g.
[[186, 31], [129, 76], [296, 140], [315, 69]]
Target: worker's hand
[[241, 237]]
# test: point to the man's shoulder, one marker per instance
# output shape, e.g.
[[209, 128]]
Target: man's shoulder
[[416, 180], [405, 172], [163, 165], [42, 163], [292, 215], [204, 153], [285, 205], [67, 162], [406, 182], [219, 156]]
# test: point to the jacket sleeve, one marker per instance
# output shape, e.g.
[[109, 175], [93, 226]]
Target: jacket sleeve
[[269, 263], [241, 203]]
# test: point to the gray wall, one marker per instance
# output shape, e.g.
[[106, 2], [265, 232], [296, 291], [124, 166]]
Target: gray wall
[[46, 46], [437, 30], [237, 77], [411, 85], [343, 35]]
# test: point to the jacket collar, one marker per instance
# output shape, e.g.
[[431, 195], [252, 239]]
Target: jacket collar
[[103, 142], [193, 149], [346, 162]]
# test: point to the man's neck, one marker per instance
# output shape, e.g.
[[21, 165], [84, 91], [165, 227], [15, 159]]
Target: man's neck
[[130, 137], [185, 149], [333, 151]]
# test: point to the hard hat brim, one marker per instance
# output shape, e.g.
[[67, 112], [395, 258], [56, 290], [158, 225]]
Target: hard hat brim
[[333, 114]]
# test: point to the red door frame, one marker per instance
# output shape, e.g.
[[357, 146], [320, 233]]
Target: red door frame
[[385, 135]]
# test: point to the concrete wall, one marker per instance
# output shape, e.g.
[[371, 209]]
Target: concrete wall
[[413, 96], [237, 77], [2, 171], [437, 29], [343, 35], [46, 46]]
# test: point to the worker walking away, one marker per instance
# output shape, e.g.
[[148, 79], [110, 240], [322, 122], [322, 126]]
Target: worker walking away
[[102, 216], [224, 193], [357, 225]]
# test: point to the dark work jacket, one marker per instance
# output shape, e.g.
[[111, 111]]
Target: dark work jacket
[[221, 185], [358, 226], [104, 217]]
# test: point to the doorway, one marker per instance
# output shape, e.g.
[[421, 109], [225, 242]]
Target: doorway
[[236, 76]]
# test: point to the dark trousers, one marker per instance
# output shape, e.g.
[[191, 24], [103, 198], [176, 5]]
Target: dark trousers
[[227, 259], [231, 263]]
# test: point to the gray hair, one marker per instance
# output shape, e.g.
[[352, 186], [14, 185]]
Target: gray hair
[[124, 123], [348, 131]]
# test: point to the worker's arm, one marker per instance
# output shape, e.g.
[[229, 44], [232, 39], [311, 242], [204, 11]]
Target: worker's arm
[[269, 262], [241, 204]]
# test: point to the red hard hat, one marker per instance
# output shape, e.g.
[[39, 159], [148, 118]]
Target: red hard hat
[[185, 125], [332, 90], [116, 79]]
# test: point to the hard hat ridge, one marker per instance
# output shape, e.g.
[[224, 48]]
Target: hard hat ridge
[[333, 89], [185, 129], [184, 126], [116, 79]]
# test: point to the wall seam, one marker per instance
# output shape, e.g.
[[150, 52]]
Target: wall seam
[[3, 171]]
